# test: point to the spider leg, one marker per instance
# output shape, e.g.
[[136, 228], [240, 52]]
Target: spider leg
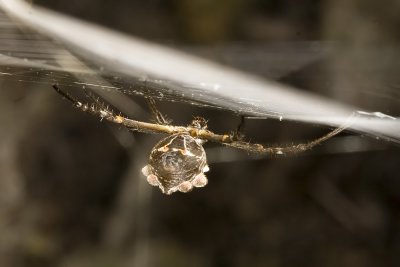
[[288, 149], [238, 133], [105, 113], [157, 115], [67, 96]]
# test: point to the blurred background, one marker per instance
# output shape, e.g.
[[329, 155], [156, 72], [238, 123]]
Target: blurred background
[[71, 191]]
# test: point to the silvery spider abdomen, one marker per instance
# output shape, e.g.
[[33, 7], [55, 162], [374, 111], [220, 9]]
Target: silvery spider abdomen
[[177, 163]]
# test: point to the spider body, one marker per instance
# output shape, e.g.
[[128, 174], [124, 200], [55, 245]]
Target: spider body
[[177, 163]]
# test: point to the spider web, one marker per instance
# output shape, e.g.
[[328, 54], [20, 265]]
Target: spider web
[[114, 63]]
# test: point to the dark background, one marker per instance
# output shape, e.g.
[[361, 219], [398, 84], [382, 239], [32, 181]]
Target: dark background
[[72, 194]]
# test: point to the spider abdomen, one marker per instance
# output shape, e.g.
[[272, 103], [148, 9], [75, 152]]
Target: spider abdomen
[[177, 162]]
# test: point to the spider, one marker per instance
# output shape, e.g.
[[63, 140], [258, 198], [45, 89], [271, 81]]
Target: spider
[[178, 162]]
